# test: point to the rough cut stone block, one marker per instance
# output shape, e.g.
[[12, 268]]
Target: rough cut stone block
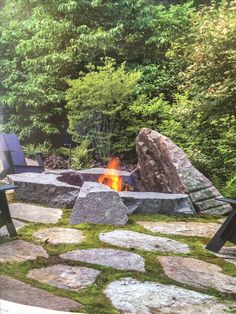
[[130, 239], [163, 167], [132, 296], [197, 273], [108, 257], [44, 189], [19, 292], [99, 204], [20, 251], [35, 213], [65, 277], [153, 202]]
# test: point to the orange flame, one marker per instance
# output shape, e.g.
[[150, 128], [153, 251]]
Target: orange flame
[[111, 177]]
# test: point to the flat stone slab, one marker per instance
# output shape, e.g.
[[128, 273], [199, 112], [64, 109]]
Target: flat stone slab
[[99, 204], [45, 189], [197, 273], [131, 239], [118, 259], [20, 251], [153, 202], [199, 229], [19, 292], [18, 225], [65, 277], [132, 296], [59, 235], [35, 213], [228, 253]]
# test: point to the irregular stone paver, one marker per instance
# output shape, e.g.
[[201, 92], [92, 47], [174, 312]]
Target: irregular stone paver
[[99, 204], [19, 292], [18, 225], [228, 253], [20, 251], [197, 273], [35, 213], [131, 239], [59, 235], [65, 277], [132, 296], [199, 229], [115, 258]]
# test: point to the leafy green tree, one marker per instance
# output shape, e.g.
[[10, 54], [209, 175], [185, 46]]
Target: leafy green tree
[[95, 101]]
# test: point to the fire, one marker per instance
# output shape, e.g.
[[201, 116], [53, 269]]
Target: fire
[[111, 177]]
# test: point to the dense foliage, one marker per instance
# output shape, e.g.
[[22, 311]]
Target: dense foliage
[[167, 66]]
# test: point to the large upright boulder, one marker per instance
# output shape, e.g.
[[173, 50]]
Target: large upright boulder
[[163, 167]]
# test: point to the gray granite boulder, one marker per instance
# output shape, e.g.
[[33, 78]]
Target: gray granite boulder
[[118, 259], [44, 188], [132, 296], [163, 167], [99, 204], [19, 292], [153, 202]]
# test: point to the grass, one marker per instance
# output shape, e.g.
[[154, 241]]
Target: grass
[[92, 298]]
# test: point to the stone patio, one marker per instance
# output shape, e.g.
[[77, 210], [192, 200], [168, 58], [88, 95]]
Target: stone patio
[[86, 252]]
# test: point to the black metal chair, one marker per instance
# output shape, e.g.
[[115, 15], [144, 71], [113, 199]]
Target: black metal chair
[[13, 159]]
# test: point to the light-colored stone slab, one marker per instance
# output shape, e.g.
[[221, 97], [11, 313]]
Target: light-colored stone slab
[[228, 253], [59, 235], [20, 251], [118, 259], [197, 273], [99, 204], [199, 229], [131, 296], [131, 239], [19, 292], [18, 225], [64, 276], [35, 213]]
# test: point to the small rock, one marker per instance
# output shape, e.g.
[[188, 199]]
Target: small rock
[[118, 259], [131, 239], [99, 204], [35, 213], [199, 229], [19, 292], [59, 235], [64, 276], [197, 273], [132, 296], [20, 251], [18, 225]]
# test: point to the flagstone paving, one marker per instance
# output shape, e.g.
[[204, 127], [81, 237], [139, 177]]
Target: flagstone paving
[[20, 251], [197, 273], [108, 257], [228, 253], [132, 296], [18, 225], [131, 239], [35, 213], [191, 228], [58, 235], [19, 292], [65, 277]]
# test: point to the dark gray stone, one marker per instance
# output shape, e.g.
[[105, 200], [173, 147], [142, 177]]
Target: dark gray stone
[[153, 202], [44, 188], [99, 204], [19, 292], [164, 167]]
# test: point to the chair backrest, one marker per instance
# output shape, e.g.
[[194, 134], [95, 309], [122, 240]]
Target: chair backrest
[[10, 142]]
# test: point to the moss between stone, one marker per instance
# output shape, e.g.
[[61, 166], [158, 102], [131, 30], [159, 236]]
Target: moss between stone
[[92, 298]]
